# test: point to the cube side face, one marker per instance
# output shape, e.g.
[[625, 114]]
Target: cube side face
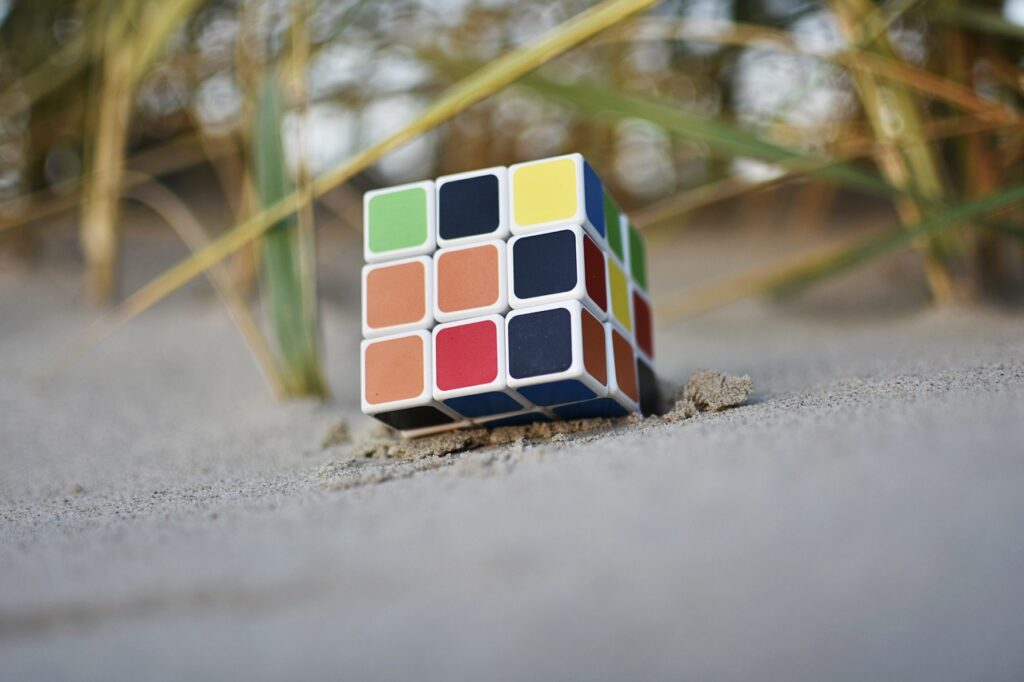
[[619, 298], [399, 222], [396, 296], [470, 281], [637, 258], [472, 207], [395, 372], [643, 325]]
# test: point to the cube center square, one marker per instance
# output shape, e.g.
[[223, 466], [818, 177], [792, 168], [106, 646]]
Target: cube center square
[[399, 221], [544, 264], [396, 296], [466, 355], [472, 206], [470, 281]]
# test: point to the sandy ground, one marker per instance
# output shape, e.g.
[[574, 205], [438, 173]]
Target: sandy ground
[[164, 519]]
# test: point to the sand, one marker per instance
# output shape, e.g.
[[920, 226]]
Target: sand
[[164, 519]]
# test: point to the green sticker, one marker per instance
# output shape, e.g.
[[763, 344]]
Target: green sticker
[[614, 226], [398, 220], [637, 258]]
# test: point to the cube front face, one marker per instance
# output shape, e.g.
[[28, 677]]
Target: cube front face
[[557, 192], [399, 221], [472, 207], [470, 281], [503, 297]]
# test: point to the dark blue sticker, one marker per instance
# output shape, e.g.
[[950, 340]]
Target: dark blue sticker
[[593, 194], [557, 392], [518, 420], [484, 404], [539, 343], [544, 264], [468, 207], [602, 407]]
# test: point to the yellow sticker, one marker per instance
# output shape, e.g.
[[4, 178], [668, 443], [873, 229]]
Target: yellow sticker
[[545, 192], [619, 285]]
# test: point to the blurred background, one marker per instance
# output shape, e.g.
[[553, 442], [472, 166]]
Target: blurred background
[[873, 150]]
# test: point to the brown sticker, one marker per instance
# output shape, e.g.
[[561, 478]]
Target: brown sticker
[[625, 365], [395, 294], [595, 359], [467, 278], [393, 369]]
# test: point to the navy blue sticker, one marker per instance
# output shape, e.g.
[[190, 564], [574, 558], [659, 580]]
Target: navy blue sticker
[[539, 343], [468, 207], [518, 420], [544, 264], [593, 196], [601, 407], [484, 404], [557, 392]]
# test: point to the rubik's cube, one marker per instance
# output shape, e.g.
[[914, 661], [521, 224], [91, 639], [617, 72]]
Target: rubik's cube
[[503, 296]]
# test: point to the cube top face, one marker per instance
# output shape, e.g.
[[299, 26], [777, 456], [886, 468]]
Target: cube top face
[[637, 257], [557, 265], [469, 355], [472, 206], [396, 372], [470, 281], [556, 353], [619, 295], [397, 295], [563, 190], [399, 221]]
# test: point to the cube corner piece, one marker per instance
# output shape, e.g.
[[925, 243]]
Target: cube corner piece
[[623, 396], [396, 385], [399, 221], [556, 354], [554, 192]]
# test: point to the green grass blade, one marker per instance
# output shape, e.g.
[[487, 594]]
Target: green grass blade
[[287, 285], [936, 223], [981, 20]]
